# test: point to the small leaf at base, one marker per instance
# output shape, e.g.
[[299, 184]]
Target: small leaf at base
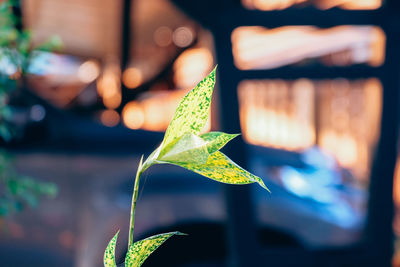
[[142, 249], [109, 253]]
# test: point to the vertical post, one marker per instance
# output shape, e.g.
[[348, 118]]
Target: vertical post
[[379, 231], [125, 43], [241, 231]]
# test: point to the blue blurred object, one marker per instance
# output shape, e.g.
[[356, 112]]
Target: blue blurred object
[[312, 197]]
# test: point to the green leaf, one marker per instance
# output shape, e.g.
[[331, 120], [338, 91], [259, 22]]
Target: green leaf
[[216, 140], [54, 43], [192, 149], [192, 112], [142, 249], [189, 148], [109, 253], [222, 169]]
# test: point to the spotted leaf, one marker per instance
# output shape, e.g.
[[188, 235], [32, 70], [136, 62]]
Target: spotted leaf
[[109, 254], [222, 169], [141, 250], [192, 112], [216, 140]]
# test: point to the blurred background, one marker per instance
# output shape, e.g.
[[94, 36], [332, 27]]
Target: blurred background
[[312, 85]]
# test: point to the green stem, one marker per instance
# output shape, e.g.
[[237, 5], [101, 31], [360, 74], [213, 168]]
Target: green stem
[[133, 205]]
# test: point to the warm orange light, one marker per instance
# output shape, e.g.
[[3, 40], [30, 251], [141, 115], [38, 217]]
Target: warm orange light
[[378, 47], [396, 185], [154, 111], [362, 4], [113, 101], [133, 115], [343, 146], [261, 48], [322, 4], [109, 87], [270, 118], [349, 119], [396, 221], [107, 80], [283, 114], [163, 36], [183, 36], [88, 71], [132, 77], [270, 4], [191, 66], [109, 117]]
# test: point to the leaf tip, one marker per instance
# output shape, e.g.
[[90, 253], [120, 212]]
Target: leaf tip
[[179, 233], [212, 73], [235, 135], [261, 183]]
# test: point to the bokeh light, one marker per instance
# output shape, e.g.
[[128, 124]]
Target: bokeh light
[[88, 71], [133, 115], [183, 36], [109, 117], [132, 77]]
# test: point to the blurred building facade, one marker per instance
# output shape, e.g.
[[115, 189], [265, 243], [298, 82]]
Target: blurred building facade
[[306, 94]]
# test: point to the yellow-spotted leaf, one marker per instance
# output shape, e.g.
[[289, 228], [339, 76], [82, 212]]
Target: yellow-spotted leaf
[[109, 254], [141, 250], [216, 140], [189, 148], [222, 169], [192, 112]]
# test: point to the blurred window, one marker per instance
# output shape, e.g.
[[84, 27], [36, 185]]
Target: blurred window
[[320, 4], [262, 48]]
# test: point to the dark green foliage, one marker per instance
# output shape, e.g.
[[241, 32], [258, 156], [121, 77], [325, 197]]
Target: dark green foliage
[[16, 47], [18, 191]]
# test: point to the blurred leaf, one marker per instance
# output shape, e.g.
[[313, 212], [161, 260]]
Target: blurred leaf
[[24, 42], [13, 186], [222, 169], [29, 198], [141, 250], [48, 189], [3, 207], [216, 140], [192, 112], [16, 191], [109, 253], [54, 43], [5, 132]]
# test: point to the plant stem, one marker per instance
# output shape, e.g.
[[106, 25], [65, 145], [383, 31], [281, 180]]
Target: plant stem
[[133, 205]]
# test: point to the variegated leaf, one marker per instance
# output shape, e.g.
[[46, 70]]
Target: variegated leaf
[[216, 140], [142, 249], [192, 149], [189, 148], [109, 253], [222, 169], [192, 112]]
